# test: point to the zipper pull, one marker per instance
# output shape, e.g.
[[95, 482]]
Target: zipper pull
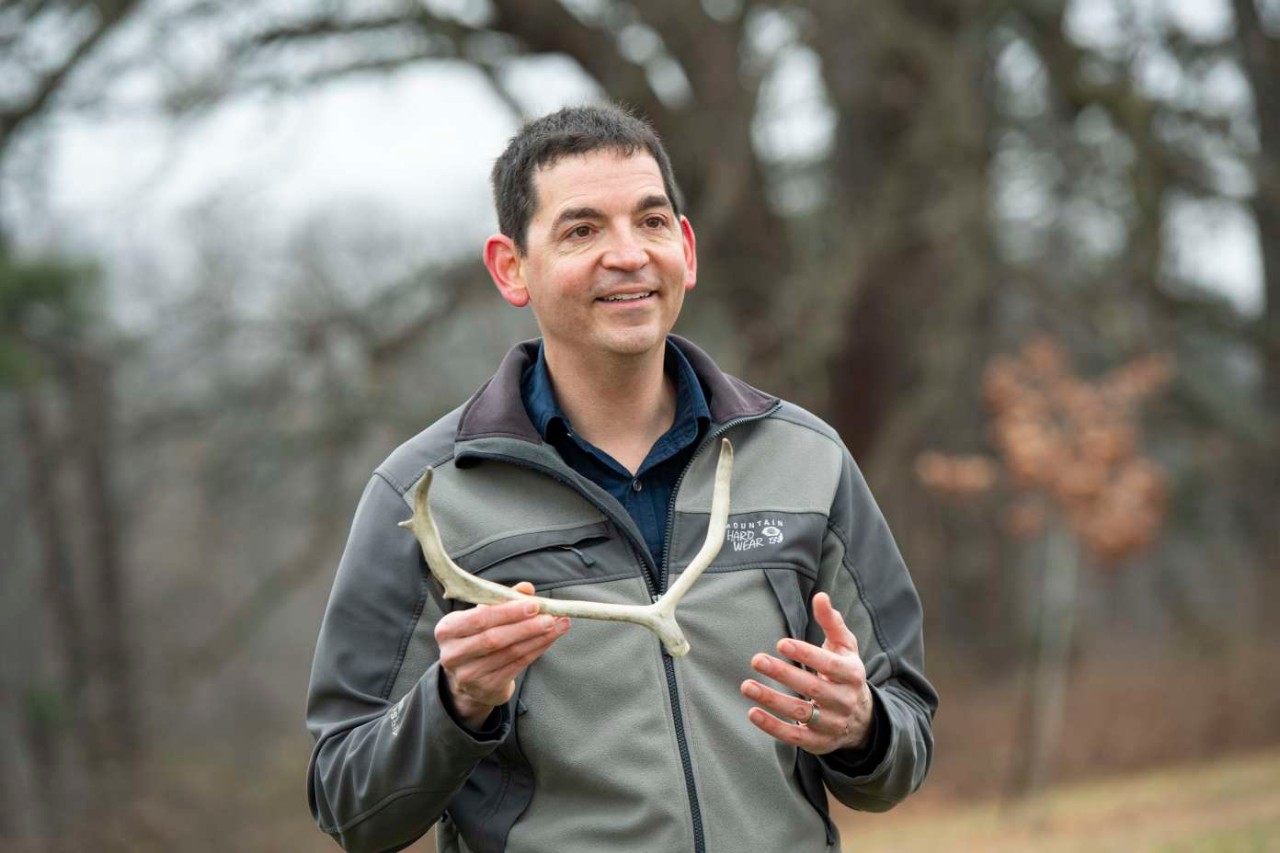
[[586, 561]]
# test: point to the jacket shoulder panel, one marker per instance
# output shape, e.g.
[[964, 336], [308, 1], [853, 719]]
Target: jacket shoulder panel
[[783, 463], [429, 448], [801, 417]]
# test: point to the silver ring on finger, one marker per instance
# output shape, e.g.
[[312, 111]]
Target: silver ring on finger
[[814, 716]]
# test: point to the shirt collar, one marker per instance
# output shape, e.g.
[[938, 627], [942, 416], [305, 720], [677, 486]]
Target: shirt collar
[[540, 399]]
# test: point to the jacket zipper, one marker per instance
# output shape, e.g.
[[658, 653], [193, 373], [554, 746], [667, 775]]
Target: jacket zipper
[[641, 552], [668, 662], [671, 506]]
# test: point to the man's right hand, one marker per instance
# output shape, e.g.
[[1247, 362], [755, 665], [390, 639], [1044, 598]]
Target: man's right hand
[[483, 649]]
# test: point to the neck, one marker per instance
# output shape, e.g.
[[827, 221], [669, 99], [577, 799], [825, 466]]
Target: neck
[[621, 405]]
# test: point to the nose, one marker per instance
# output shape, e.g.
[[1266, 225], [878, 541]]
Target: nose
[[625, 253]]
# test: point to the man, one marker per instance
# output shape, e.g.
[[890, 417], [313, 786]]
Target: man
[[583, 470]]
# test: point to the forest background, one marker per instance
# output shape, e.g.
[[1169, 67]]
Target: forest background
[[239, 263]]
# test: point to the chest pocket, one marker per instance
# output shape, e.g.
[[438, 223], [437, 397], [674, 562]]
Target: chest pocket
[[550, 558], [793, 590]]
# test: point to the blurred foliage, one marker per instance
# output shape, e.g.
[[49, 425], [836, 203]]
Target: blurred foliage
[[46, 707], [41, 301]]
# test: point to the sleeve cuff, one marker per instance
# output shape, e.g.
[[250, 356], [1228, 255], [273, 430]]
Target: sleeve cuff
[[494, 726], [862, 762]]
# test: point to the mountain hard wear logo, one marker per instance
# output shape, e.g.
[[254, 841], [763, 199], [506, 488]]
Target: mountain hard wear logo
[[749, 535]]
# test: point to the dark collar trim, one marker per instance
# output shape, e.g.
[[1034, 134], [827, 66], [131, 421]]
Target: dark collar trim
[[496, 410]]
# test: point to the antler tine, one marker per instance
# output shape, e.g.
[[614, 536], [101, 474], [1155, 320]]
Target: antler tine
[[658, 617], [457, 582], [716, 524]]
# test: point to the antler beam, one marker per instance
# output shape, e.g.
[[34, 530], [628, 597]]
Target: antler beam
[[658, 617]]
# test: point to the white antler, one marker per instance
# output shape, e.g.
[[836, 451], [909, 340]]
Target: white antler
[[658, 617]]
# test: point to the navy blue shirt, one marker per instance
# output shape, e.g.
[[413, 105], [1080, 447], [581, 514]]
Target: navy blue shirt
[[646, 495]]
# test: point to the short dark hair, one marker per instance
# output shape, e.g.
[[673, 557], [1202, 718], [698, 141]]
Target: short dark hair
[[572, 130]]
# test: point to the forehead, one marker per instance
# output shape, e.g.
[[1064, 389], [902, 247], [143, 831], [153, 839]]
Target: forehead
[[594, 179]]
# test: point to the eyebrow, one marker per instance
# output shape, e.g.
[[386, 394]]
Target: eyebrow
[[649, 202]]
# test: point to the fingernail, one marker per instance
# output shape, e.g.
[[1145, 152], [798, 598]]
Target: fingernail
[[762, 663], [751, 690], [530, 609], [562, 626], [786, 647]]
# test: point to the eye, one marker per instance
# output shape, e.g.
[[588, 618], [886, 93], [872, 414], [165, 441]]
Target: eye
[[655, 222], [580, 231]]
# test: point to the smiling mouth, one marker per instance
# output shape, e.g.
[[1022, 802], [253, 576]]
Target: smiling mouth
[[627, 297]]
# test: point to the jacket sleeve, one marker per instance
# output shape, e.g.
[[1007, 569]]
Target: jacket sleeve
[[868, 582], [384, 767]]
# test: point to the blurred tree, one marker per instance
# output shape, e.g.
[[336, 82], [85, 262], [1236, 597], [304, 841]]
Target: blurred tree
[[34, 298], [63, 386], [1259, 46], [42, 46], [1071, 448]]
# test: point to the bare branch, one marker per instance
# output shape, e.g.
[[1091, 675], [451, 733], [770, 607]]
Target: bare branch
[[545, 26], [332, 25], [110, 16]]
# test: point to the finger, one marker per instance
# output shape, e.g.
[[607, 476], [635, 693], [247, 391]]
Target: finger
[[833, 624], [798, 736], [524, 588], [828, 694], [842, 666], [491, 678], [519, 655], [458, 651], [783, 704], [510, 671], [464, 623]]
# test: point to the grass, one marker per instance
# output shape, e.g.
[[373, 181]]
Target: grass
[[1223, 806], [1228, 806]]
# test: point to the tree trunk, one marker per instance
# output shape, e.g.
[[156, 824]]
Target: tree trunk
[[53, 526], [88, 381], [42, 745], [911, 161], [1261, 61], [1046, 697], [1261, 53]]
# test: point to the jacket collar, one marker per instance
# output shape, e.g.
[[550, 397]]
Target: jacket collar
[[496, 410]]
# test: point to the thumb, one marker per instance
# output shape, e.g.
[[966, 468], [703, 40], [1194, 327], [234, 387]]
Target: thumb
[[833, 625], [524, 588]]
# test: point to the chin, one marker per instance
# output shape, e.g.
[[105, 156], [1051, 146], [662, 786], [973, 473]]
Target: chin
[[633, 341]]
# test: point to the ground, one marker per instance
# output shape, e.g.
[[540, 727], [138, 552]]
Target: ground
[[1226, 805]]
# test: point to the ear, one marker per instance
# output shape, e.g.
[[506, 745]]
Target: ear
[[690, 253], [505, 268]]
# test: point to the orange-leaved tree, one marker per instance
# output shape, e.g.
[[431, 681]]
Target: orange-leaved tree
[[1069, 450]]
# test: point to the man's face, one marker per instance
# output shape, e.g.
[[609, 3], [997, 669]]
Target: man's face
[[607, 261]]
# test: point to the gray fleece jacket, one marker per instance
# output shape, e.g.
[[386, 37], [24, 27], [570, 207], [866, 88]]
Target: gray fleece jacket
[[609, 743]]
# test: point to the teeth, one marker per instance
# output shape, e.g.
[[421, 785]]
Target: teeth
[[626, 297]]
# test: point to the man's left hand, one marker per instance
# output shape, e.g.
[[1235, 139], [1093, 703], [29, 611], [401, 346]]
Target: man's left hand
[[837, 687]]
